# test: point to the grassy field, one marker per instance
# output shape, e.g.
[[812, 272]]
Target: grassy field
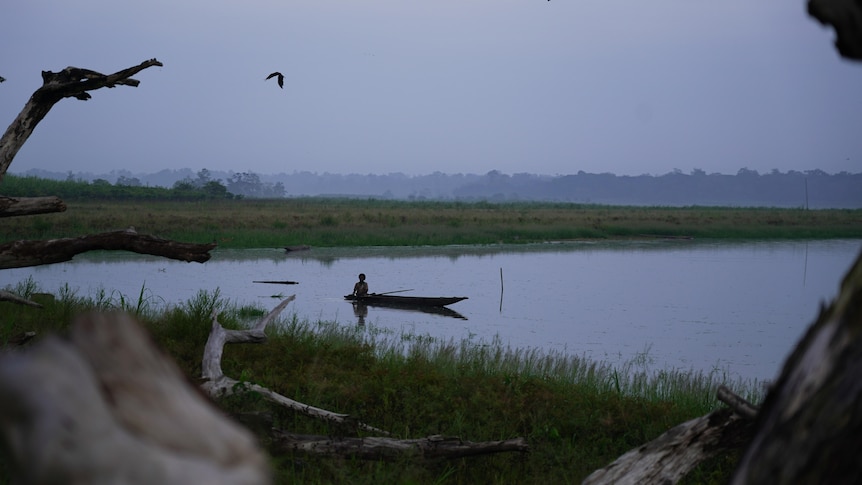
[[356, 222], [577, 415]]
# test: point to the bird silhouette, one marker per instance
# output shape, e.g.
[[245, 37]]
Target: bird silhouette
[[280, 78]]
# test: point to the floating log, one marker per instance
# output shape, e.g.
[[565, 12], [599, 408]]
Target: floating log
[[278, 282]]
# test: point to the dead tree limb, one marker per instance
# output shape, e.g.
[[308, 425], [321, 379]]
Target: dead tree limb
[[27, 206], [377, 448], [70, 82], [809, 426], [739, 405], [106, 406], [672, 455], [21, 254], [216, 384]]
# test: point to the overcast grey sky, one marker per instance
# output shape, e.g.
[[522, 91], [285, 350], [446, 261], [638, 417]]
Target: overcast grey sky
[[457, 86]]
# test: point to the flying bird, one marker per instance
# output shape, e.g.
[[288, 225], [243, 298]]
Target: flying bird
[[280, 78]]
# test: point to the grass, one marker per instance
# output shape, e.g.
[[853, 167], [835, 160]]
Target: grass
[[577, 415], [359, 222]]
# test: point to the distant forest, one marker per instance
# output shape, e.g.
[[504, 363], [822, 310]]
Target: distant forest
[[814, 189]]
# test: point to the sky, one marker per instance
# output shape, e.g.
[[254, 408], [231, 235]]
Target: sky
[[628, 87]]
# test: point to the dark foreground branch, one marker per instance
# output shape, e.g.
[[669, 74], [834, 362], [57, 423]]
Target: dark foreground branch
[[21, 254]]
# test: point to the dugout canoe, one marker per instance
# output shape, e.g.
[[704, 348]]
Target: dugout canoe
[[405, 301]]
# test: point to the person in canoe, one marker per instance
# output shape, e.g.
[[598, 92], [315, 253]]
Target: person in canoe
[[361, 287]]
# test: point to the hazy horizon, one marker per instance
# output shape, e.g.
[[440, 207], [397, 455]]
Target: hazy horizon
[[379, 87]]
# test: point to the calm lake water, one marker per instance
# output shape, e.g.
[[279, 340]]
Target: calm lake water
[[736, 308]]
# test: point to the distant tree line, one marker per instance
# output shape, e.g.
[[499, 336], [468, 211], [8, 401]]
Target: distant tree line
[[813, 189], [124, 188]]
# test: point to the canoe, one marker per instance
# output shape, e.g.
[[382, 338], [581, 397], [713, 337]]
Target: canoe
[[405, 301]]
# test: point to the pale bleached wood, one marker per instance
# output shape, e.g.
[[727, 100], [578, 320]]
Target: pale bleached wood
[[107, 407], [736, 402], [217, 385]]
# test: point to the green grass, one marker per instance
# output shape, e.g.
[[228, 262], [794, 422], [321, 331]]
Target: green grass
[[358, 222], [577, 415]]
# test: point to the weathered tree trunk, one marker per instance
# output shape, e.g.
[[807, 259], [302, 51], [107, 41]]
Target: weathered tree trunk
[[810, 425], [106, 406], [20, 254], [70, 82], [27, 206]]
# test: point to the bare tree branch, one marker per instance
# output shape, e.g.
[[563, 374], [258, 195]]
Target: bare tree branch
[[70, 82]]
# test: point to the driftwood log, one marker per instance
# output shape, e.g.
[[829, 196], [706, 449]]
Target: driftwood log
[[20, 254], [216, 384], [26, 206], [106, 406]]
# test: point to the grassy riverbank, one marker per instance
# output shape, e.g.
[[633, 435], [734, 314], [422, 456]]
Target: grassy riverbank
[[357, 222], [577, 415]]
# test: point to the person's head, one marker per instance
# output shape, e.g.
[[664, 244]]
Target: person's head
[[361, 276]]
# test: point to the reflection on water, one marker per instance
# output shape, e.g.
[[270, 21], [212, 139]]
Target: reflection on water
[[735, 308]]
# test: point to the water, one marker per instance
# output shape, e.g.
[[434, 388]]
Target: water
[[734, 308]]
